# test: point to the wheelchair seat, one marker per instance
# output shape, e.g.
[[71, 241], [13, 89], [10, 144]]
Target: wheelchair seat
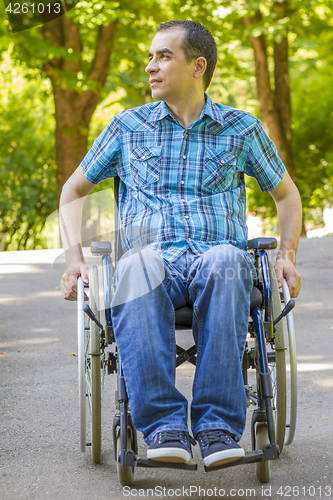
[[184, 314]]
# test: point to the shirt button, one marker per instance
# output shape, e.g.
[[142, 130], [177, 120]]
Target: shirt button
[[182, 182], [183, 200], [143, 157], [184, 157], [186, 216], [189, 239]]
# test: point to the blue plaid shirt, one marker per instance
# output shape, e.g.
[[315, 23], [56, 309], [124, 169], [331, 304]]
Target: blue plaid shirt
[[183, 188]]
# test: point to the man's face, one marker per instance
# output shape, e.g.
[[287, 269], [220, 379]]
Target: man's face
[[170, 76]]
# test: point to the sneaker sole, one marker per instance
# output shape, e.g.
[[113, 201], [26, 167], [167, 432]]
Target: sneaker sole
[[223, 457], [169, 455]]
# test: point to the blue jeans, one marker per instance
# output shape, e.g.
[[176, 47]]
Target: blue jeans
[[218, 285]]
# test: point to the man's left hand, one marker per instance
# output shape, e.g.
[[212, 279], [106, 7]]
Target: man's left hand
[[284, 268]]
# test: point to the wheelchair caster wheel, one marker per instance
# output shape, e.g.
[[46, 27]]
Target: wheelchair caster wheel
[[263, 469], [125, 473]]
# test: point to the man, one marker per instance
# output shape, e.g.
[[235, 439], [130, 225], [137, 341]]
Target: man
[[181, 163]]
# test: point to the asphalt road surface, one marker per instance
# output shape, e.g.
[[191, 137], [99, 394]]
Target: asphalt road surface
[[39, 423]]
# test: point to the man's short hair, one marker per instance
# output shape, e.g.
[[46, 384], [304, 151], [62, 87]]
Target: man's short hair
[[197, 42]]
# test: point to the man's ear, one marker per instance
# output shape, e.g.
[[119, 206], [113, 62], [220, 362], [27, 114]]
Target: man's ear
[[200, 67]]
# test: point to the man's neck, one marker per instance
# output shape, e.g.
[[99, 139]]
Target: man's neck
[[188, 110]]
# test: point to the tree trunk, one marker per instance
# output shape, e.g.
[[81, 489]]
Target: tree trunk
[[282, 89], [71, 133], [273, 112], [74, 107]]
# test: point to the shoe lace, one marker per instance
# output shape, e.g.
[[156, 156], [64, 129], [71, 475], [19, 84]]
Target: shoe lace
[[214, 436], [176, 436]]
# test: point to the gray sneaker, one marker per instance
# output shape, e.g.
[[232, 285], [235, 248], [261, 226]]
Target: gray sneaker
[[218, 447], [171, 446]]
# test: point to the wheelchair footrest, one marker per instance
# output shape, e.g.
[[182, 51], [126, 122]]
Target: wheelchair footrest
[[268, 453], [146, 462]]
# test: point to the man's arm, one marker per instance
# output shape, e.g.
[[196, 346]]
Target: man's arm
[[289, 209], [70, 215]]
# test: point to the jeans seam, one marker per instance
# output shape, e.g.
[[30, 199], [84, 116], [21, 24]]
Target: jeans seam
[[173, 340], [199, 340]]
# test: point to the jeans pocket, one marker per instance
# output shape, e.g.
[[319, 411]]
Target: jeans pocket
[[220, 167], [145, 165]]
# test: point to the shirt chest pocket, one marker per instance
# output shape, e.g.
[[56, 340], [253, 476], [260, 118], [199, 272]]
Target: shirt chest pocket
[[145, 163], [220, 167]]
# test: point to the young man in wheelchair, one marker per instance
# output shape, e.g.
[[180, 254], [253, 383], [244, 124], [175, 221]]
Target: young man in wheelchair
[[181, 163]]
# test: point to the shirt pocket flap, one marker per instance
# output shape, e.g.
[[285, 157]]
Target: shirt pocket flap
[[221, 157], [145, 153]]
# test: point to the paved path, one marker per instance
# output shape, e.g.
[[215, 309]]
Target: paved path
[[39, 447]]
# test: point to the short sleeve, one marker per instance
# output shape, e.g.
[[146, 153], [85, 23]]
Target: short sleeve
[[101, 161], [263, 162]]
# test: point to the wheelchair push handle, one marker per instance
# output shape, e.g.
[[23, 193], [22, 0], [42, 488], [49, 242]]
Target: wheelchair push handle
[[290, 303], [288, 307], [92, 316]]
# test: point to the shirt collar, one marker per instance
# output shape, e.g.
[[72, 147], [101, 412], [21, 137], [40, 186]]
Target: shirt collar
[[161, 111], [213, 111]]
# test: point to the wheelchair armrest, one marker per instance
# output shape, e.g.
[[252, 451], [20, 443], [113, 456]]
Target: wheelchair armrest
[[101, 247], [262, 243]]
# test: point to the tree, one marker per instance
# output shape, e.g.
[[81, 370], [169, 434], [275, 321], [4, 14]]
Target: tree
[[74, 51], [279, 31], [74, 107]]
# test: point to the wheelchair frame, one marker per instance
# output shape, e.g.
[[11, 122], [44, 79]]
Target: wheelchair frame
[[95, 361], [268, 424]]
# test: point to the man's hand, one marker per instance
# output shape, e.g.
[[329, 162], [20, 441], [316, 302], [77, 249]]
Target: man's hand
[[289, 209], [285, 268], [68, 282]]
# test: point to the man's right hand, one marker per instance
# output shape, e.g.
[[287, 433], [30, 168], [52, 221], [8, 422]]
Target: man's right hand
[[68, 284]]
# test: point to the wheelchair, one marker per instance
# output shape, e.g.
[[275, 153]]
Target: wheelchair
[[267, 360]]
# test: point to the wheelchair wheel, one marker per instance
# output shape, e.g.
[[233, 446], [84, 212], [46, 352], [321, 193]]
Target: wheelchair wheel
[[292, 362], [263, 469], [277, 366], [125, 473], [81, 363], [93, 369]]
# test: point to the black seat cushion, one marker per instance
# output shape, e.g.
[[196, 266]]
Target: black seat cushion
[[256, 298], [184, 314]]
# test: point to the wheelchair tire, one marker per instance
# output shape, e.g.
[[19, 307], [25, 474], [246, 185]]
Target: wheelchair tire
[[292, 395], [81, 364], [263, 469], [278, 367], [95, 369], [125, 473]]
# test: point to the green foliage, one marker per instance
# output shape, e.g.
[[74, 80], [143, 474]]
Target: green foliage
[[27, 163], [313, 141], [309, 27], [27, 157], [134, 21]]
